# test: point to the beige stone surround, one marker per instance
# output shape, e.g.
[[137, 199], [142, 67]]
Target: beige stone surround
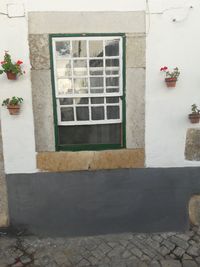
[[132, 24]]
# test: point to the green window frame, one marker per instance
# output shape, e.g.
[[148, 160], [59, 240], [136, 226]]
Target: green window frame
[[56, 104]]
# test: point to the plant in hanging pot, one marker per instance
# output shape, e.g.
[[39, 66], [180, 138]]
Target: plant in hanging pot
[[171, 76], [12, 69], [13, 104], [194, 117]]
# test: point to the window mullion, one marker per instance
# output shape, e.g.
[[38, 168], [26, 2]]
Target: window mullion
[[88, 73], [104, 78], [104, 67]]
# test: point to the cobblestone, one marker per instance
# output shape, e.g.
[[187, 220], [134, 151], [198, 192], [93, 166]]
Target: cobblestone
[[120, 250], [188, 263]]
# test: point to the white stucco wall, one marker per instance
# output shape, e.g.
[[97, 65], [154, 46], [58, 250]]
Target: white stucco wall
[[85, 5], [171, 44], [17, 131], [168, 43]]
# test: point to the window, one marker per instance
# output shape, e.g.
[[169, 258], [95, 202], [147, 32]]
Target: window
[[88, 90]]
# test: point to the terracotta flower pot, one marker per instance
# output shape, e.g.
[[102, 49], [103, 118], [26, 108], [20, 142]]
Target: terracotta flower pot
[[171, 82], [11, 75], [13, 110], [194, 117]]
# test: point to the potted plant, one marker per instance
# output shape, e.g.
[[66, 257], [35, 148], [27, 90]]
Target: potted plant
[[171, 76], [13, 104], [12, 69], [195, 115]]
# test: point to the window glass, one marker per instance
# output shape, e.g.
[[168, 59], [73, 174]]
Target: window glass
[[88, 80], [82, 113], [96, 48], [112, 48], [65, 86], [79, 48], [112, 112], [97, 113], [80, 67], [67, 114], [63, 49], [63, 68], [66, 101]]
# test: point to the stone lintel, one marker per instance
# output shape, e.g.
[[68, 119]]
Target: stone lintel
[[86, 22]]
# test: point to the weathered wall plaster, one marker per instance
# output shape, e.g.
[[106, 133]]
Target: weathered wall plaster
[[39, 51], [43, 110], [192, 145], [194, 210]]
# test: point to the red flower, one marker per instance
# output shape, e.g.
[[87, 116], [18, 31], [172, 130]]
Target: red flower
[[3, 62], [19, 62], [164, 68]]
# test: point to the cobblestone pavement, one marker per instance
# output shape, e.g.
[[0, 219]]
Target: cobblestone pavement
[[121, 250]]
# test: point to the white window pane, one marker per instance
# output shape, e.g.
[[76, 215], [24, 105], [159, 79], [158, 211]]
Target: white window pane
[[81, 101], [88, 65], [112, 90], [96, 48], [63, 49], [97, 100], [65, 86], [112, 81], [97, 113], [112, 71], [79, 48], [63, 68], [96, 82], [80, 83], [112, 48], [112, 112], [80, 67], [112, 99], [96, 67], [96, 90], [66, 101], [113, 62], [82, 113], [67, 114]]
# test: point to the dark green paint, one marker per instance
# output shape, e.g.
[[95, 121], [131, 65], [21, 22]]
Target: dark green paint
[[53, 93], [89, 146]]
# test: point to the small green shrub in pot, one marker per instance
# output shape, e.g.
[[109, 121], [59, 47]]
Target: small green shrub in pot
[[13, 104], [194, 117]]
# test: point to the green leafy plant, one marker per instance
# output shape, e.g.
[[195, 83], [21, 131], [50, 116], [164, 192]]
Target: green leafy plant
[[195, 109], [171, 74], [9, 66], [14, 101]]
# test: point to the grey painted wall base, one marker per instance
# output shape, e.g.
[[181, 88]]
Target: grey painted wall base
[[99, 202]]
